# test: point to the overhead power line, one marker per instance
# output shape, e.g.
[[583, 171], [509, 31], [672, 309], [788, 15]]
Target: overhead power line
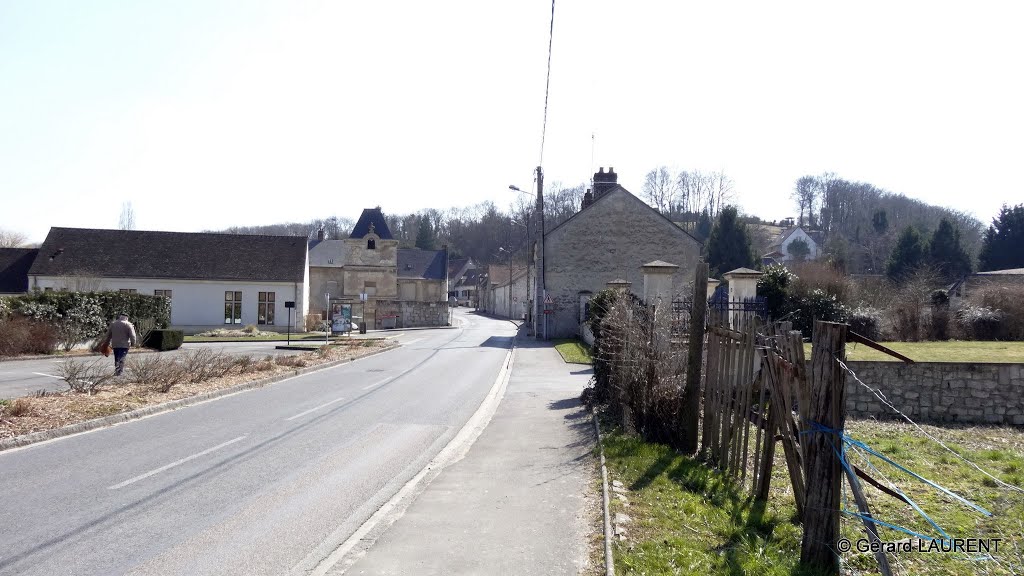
[[547, 86]]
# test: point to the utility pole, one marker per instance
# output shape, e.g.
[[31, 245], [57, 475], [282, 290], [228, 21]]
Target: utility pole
[[539, 293]]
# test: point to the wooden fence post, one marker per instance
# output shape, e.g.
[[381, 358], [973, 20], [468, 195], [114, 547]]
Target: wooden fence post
[[690, 409], [826, 410]]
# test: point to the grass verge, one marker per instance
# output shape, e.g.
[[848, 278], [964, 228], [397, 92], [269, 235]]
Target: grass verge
[[948, 351], [574, 351], [687, 518], [54, 410]]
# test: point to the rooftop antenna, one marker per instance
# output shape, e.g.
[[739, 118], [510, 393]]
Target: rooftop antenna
[[592, 144]]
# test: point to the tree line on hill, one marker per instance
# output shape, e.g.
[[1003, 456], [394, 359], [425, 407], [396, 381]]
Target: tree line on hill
[[866, 229]]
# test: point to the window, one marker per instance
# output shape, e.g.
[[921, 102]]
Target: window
[[371, 244], [265, 310], [370, 288], [165, 293], [128, 291], [232, 307]]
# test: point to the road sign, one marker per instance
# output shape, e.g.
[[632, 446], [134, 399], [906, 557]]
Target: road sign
[[289, 304]]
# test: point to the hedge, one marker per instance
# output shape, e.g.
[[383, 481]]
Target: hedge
[[164, 340], [80, 316]]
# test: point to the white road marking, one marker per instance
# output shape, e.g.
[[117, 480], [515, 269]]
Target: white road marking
[[376, 383], [411, 341], [325, 405], [173, 464], [48, 375], [399, 335]]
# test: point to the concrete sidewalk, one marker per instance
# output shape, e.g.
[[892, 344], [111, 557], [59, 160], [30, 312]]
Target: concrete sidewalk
[[522, 501]]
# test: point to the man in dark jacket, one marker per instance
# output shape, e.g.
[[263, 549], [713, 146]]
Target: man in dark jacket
[[121, 335]]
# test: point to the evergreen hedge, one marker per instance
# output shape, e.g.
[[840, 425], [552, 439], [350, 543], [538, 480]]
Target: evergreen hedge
[[80, 316]]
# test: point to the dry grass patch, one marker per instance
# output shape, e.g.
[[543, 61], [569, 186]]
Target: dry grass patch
[[155, 379]]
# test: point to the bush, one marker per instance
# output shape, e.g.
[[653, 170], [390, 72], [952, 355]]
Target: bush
[[24, 336], [817, 305], [979, 322], [774, 285], [164, 340], [1009, 301], [866, 321], [85, 376]]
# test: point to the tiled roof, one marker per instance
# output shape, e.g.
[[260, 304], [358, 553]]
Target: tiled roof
[[181, 255], [327, 253], [14, 266], [375, 217], [416, 263]]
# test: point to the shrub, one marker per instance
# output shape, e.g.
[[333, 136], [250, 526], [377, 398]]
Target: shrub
[[817, 305], [979, 322], [15, 408], [85, 376], [296, 361], [163, 340], [866, 321], [774, 285], [20, 335], [1009, 300], [251, 329]]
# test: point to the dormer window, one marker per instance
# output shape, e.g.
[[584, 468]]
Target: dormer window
[[371, 244]]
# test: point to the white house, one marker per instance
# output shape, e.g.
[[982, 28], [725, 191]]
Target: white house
[[213, 280], [781, 249]]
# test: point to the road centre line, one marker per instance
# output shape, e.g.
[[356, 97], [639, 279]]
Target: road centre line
[[48, 375], [324, 405], [173, 464]]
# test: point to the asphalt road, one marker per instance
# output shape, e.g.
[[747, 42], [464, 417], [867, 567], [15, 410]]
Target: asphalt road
[[24, 377], [263, 482]]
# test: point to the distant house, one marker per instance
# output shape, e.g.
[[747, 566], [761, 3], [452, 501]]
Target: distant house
[[14, 266], [781, 249], [610, 238], [403, 287], [505, 295], [463, 275], [213, 280]]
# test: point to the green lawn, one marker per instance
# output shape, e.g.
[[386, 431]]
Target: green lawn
[[689, 519], [574, 351], [949, 351]]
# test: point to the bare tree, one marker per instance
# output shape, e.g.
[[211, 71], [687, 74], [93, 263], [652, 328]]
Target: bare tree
[[660, 189], [127, 220], [803, 195], [11, 239]]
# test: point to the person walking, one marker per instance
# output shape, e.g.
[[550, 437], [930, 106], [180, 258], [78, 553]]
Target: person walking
[[121, 335]]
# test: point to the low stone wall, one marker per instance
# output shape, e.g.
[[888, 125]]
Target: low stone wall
[[939, 392], [418, 314]]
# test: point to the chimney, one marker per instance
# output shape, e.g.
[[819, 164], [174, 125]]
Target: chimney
[[604, 181], [588, 199], [320, 234]]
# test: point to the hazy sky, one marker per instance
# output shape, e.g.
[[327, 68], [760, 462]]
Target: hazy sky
[[206, 113]]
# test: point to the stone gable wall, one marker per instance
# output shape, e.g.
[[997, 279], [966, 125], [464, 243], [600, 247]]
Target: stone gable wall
[[611, 239], [939, 392]]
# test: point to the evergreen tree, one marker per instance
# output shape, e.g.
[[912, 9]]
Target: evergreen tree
[[424, 234], [1003, 244], [703, 230], [729, 245], [946, 253], [909, 253]]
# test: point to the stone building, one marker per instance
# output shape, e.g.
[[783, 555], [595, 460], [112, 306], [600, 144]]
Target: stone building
[[403, 287], [609, 238]]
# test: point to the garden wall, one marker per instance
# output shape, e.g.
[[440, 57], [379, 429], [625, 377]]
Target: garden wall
[[939, 392]]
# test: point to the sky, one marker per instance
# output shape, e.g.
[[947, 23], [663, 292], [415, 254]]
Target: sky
[[206, 114]]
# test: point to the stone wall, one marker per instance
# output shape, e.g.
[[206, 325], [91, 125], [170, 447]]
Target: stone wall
[[939, 392], [417, 314], [610, 240]]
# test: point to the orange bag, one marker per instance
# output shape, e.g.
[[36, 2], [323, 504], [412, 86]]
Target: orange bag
[[106, 349]]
